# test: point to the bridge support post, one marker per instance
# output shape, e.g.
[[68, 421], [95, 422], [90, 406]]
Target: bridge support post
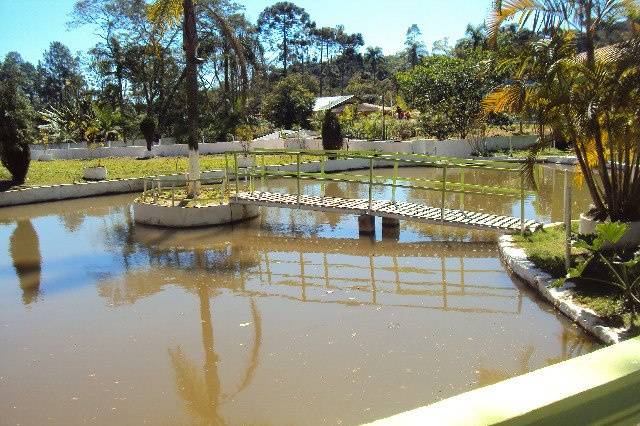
[[366, 224], [390, 228]]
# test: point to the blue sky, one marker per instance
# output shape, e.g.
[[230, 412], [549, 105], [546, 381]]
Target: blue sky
[[30, 25]]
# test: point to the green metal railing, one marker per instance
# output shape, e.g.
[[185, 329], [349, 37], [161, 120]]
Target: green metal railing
[[242, 169]]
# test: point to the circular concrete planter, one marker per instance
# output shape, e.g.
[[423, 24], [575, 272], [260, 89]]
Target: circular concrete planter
[[95, 173], [629, 240], [245, 162], [45, 156], [190, 217]]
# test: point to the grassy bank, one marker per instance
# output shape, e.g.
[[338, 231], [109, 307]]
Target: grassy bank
[[545, 248], [523, 153], [70, 171]]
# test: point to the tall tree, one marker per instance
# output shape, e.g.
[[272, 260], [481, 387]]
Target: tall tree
[[415, 47], [281, 25], [61, 75], [325, 39], [372, 59]]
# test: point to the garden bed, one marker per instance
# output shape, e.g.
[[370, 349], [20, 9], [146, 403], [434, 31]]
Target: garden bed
[[538, 258]]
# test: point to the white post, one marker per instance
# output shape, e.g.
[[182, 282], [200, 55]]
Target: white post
[[567, 220]]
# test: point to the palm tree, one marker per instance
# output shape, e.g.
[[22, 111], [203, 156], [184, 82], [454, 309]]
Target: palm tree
[[164, 13], [373, 57], [587, 95]]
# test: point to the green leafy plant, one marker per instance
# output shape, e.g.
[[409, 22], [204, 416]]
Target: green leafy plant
[[623, 270], [148, 126], [331, 132], [16, 131]]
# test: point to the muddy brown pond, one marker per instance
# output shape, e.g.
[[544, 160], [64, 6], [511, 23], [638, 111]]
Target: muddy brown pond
[[287, 319]]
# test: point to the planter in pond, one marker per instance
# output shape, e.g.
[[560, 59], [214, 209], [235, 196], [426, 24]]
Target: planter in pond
[[95, 173], [45, 156], [190, 217], [245, 162], [629, 240]]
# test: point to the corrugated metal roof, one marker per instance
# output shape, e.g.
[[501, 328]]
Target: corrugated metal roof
[[330, 102]]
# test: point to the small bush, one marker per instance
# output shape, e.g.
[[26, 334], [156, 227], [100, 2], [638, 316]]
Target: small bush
[[148, 126], [16, 131], [16, 158], [331, 132]]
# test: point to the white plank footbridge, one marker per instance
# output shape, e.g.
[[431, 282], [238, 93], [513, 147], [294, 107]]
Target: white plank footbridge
[[238, 186]]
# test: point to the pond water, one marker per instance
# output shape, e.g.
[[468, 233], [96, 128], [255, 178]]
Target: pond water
[[287, 319]]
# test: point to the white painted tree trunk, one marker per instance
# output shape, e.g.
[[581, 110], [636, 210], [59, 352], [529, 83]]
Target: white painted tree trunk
[[194, 172]]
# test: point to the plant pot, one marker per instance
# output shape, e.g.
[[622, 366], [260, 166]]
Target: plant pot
[[95, 173], [245, 162], [631, 239], [45, 156]]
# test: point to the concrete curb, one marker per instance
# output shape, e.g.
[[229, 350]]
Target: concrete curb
[[561, 297], [182, 217]]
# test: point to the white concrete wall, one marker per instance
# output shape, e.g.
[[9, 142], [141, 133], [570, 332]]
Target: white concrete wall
[[110, 144], [448, 148]]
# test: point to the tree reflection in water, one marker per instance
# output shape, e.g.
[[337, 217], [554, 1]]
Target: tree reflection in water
[[24, 247], [204, 272]]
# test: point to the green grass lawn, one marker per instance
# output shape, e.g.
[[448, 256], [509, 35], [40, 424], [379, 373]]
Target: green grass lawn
[[70, 171], [545, 248], [523, 153]]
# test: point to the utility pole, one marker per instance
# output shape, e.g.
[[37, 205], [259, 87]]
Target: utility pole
[[384, 128]]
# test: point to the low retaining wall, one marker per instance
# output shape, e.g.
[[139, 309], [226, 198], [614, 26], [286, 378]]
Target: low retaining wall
[[561, 297], [597, 388], [450, 148], [191, 217]]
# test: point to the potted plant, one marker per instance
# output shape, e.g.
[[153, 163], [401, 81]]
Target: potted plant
[[96, 171], [245, 135]]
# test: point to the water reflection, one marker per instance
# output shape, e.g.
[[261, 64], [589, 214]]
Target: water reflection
[[300, 320], [24, 248], [203, 271], [433, 275]]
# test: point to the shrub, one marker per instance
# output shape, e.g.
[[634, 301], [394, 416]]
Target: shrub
[[290, 102], [16, 131], [148, 128], [370, 127], [331, 132], [436, 125], [16, 158]]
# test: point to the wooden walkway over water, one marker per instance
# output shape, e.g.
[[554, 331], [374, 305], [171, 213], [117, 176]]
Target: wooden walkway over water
[[387, 209]]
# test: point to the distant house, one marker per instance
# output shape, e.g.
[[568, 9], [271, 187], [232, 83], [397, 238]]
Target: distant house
[[337, 104], [333, 102]]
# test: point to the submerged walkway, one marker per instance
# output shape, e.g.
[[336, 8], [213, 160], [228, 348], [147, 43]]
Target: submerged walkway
[[388, 209]]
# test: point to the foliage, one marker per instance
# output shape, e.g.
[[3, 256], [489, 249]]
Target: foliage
[[588, 99], [448, 92], [16, 129], [545, 248], [60, 73], [370, 127], [624, 271], [331, 132], [78, 119], [148, 126], [284, 26], [414, 45], [290, 102]]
